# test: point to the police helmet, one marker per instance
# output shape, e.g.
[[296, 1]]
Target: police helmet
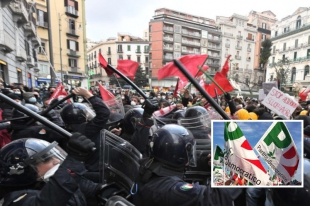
[[130, 119], [178, 114], [59, 106], [17, 113], [20, 158], [76, 113], [174, 145], [195, 117]]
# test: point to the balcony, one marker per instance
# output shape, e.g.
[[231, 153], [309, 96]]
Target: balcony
[[138, 51], [306, 44], [20, 13], [214, 39], [168, 29], [30, 29], [291, 32], [21, 55], [73, 32], [238, 47], [146, 51], [191, 43], [283, 50], [212, 47], [191, 34], [167, 38], [74, 69], [211, 64], [30, 62], [214, 56], [250, 39], [168, 58], [73, 53], [36, 41], [227, 34], [168, 48], [248, 59], [239, 37], [296, 47], [71, 11], [249, 49], [120, 51], [6, 42], [238, 57]]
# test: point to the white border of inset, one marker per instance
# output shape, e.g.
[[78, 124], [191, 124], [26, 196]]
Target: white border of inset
[[301, 157]]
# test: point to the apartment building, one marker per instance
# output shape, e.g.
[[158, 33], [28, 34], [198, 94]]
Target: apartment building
[[125, 46], [18, 40], [238, 40], [291, 39], [173, 34], [68, 38]]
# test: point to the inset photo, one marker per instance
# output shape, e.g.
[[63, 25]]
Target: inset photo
[[257, 153]]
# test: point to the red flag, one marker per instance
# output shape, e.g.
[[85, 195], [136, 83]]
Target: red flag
[[221, 80], [225, 67], [106, 95], [175, 92], [191, 62], [128, 68], [104, 64], [304, 94], [59, 92], [182, 84]]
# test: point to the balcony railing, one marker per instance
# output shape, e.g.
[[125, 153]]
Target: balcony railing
[[306, 44], [74, 69], [211, 64], [71, 11], [166, 38], [30, 29], [138, 51], [30, 61], [36, 41], [21, 54], [214, 38], [168, 29], [168, 57], [168, 48], [108, 52], [238, 57], [248, 59], [291, 31], [146, 51], [216, 56], [73, 32], [238, 47], [190, 42], [195, 34], [20, 13], [73, 53], [42, 24], [6, 42], [228, 34], [119, 50], [249, 39], [214, 47], [239, 37]]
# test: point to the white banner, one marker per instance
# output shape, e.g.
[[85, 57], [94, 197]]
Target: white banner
[[280, 103]]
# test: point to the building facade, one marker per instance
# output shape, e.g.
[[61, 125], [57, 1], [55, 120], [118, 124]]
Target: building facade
[[124, 47], [239, 41], [18, 40], [291, 39], [68, 33], [173, 34]]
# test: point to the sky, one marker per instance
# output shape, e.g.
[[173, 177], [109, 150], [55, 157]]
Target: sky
[[106, 18], [253, 131]]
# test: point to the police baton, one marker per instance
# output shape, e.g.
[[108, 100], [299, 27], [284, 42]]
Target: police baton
[[200, 89], [35, 116]]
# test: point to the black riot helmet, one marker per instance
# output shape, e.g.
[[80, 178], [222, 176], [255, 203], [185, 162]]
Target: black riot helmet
[[19, 158], [178, 114], [174, 145], [16, 114], [59, 106], [76, 113], [130, 120], [195, 117]]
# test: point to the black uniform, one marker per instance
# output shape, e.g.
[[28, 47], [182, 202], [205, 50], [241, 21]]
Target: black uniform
[[64, 188], [165, 187], [92, 129]]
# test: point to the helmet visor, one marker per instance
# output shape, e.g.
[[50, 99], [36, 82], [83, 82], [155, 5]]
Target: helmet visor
[[195, 122], [191, 154]]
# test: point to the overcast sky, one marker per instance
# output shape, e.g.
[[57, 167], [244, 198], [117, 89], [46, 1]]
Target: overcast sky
[[105, 18]]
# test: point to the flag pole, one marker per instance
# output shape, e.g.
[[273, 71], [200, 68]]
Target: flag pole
[[200, 89], [199, 67], [209, 77]]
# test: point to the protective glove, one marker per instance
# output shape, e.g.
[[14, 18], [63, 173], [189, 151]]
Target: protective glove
[[150, 106], [80, 147]]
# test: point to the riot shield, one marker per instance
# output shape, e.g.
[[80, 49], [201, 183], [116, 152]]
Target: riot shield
[[119, 161], [116, 106]]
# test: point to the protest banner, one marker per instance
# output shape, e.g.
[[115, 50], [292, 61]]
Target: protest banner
[[280, 103], [278, 149]]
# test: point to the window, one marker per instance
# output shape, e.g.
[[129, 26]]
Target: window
[[264, 25], [150, 28], [177, 47], [296, 43], [146, 59], [128, 57], [95, 54], [99, 51], [295, 56], [306, 71], [283, 57], [204, 42], [72, 62], [119, 48], [109, 61], [203, 50], [308, 53], [27, 48], [263, 36], [42, 18], [128, 47], [120, 57], [250, 36], [109, 50], [72, 45], [138, 48], [42, 48], [276, 33], [177, 29], [204, 34], [43, 68], [293, 74], [274, 49], [298, 22], [139, 59], [71, 26], [284, 46], [177, 55], [238, 43], [177, 38], [273, 58], [19, 76]]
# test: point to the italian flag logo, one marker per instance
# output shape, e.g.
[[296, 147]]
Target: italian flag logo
[[186, 187]]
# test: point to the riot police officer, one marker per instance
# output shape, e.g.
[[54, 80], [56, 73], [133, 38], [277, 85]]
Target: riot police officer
[[160, 179], [80, 118], [35, 172]]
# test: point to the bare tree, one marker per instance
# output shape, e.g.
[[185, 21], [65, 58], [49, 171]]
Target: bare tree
[[283, 70]]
